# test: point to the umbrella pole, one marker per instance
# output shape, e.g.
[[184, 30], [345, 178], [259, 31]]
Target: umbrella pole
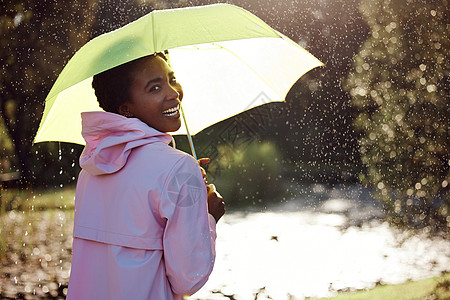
[[191, 142]]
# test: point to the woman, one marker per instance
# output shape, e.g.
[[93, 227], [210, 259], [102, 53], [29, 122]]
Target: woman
[[144, 218]]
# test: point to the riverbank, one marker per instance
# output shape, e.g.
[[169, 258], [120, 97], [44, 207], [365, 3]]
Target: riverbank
[[437, 288]]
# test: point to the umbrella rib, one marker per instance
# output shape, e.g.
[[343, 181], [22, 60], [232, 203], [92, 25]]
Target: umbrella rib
[[154, 33], [253, 70]]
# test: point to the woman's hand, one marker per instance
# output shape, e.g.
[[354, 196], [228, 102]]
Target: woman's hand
[[216, 206]]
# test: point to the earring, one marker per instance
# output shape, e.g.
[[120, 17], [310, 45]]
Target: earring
[[127, 114]]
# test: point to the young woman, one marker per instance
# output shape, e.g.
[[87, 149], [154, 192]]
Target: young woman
[[144, 217]]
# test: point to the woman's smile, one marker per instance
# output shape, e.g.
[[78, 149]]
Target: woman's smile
[[173, 112]]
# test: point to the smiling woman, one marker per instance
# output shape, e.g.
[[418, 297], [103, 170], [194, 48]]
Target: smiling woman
[[142, 208], [154, 95], [145, 88]]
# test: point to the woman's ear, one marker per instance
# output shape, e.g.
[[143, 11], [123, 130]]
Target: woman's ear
[[125, 111]]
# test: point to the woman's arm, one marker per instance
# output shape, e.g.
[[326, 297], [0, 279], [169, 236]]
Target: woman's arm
[[189, 237]]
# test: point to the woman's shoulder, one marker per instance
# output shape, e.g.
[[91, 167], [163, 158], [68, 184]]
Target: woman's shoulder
[[162, 153]]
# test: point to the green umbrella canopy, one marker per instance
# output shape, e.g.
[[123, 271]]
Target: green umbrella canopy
[[158, 31], [225, 44]]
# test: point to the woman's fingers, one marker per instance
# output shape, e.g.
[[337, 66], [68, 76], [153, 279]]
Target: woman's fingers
[[203, 161], [216, 206]]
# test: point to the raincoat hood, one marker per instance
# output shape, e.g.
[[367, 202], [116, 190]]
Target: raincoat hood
[[111, 137]]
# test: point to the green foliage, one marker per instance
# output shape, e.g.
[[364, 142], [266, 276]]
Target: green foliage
[[400, 85], [247, 175], [432, 288], [6, 150], [37, 39]]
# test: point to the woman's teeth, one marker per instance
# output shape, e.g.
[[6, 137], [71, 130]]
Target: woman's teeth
[[171, 112]]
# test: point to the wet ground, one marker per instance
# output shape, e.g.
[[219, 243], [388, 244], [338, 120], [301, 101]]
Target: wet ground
[[36, 263], [322, 241]]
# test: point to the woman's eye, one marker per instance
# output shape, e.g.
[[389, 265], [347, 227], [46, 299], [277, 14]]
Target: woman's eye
[[154, 88], [173, 80]]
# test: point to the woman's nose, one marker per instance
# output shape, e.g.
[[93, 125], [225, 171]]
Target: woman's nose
[[174, 93]]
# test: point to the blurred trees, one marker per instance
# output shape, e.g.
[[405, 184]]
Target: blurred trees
[[37, 39], [397, 86], [313, 129], [248, 173], [400, 85]]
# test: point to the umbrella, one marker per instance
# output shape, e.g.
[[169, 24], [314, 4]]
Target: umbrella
[[227, 60]]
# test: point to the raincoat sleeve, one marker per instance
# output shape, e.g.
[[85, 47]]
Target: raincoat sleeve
[[190, 231]]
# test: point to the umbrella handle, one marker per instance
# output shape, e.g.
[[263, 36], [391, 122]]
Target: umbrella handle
[[191, 142]]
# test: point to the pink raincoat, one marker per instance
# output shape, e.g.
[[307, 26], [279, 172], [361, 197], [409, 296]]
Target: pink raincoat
[[142, 229]]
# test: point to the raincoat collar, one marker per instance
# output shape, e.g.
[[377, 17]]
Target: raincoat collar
[[111, 137]]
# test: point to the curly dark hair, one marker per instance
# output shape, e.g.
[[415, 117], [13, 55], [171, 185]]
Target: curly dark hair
[[112, 86]]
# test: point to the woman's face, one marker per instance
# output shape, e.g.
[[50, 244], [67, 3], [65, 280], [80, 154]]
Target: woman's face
[[155, 95]]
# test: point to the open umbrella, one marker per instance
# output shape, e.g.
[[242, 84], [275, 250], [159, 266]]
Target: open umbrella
[[227, 60]]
